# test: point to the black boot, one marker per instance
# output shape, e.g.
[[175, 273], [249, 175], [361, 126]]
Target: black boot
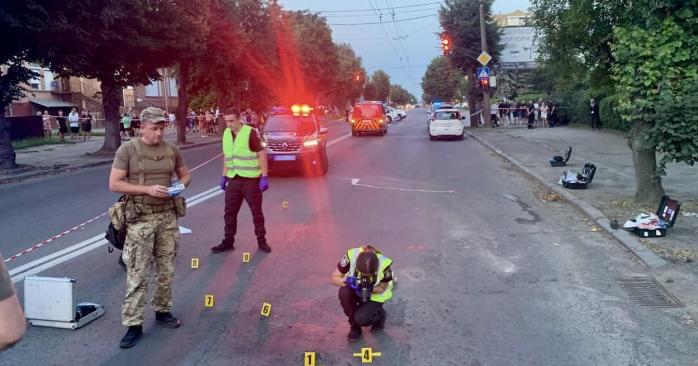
[[378, 326], [264, 247], [354, 334], [222, 247], [132, 336], [167, 320]]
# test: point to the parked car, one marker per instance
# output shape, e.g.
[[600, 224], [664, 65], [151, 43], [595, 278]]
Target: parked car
[[446, 123]]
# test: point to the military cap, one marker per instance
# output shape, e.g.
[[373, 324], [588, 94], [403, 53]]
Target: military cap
[[153, 115]]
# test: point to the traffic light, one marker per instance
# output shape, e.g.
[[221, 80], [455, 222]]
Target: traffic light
[[446, 44], [485, 83]]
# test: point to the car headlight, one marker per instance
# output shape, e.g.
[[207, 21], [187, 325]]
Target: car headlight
[[310, 143]]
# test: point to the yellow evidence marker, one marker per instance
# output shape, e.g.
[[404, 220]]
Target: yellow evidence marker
[[195, 263], [367, 355], [309, 359], [284, 204], [208, 301], [245, 257], [266, 309]]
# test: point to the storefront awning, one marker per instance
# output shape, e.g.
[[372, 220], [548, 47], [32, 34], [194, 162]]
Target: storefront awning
[[52, 103]]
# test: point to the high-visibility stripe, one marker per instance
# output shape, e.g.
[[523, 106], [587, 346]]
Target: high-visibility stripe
[[246, 167], [240, 157]]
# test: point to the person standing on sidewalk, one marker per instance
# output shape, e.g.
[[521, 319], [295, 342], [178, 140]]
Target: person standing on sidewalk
[[126, 124], [530, 112], [244, 179], [142, 170], [594, 111], [62, 125], [544, 114], [86, 125], [46, 122], [74, 121]]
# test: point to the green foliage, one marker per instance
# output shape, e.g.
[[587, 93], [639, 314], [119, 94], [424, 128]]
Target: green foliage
[[441, 81], [399, 95], [608, 113], [656, 68], [460, 19], [379, 85], [346, 88]]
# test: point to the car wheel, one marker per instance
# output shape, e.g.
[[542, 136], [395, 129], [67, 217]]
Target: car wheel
[[461, 137], [353, 133]]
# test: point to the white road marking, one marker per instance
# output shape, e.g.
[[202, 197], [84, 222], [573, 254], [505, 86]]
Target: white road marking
[[355, 182], [54, 259]]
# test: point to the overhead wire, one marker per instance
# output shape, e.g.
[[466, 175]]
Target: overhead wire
[[399, 37], [373, 9], [392, 21], [380, 17]]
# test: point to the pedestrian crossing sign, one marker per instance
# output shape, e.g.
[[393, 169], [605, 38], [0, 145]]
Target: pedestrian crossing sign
[[483, 72]]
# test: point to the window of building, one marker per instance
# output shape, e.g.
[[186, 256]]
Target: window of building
[[153, 89], [173, 87]]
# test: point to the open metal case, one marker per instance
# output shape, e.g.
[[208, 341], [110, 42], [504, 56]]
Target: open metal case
[[48, 302]]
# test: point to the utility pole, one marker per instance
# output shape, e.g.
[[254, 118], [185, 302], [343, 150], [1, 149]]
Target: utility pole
[[485, 92]]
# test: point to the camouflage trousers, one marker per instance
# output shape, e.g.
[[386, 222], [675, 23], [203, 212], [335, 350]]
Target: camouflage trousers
[[151, 237]]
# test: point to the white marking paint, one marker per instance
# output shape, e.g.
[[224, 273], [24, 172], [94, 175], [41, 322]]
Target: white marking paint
[[54, 259], [355, 182]]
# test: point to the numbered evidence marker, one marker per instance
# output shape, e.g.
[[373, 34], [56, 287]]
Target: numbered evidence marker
[[208, 301], [266, 309], [245, 257], [195, 263], [367, 355], [309, 359], [284, 204]]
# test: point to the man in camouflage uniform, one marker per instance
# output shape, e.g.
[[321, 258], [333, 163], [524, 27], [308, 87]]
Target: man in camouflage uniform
[[143, 169]]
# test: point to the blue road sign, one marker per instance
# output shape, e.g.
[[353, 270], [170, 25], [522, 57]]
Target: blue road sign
[[483, 72]]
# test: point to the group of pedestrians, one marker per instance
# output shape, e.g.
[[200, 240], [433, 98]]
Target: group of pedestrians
[[129, 126], [78, 124], [538, 113]]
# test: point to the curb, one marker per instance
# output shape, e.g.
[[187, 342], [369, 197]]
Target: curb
[[39, 173], [643, 253]]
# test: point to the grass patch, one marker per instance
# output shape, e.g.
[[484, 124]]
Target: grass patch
[[38, 141]]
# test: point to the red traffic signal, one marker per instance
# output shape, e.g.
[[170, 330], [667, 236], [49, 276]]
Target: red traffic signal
[[485, 83], [446, 43]]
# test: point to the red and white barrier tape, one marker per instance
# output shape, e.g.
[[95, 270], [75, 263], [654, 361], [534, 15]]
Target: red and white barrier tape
[[64, 233]]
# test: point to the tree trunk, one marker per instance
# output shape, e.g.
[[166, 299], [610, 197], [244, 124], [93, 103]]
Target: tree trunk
[[7, 153], [472, 99], [648, 183], [183, 102], [111, 100]]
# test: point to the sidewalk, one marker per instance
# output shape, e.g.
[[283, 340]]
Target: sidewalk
[[53, 159], [610, 195]]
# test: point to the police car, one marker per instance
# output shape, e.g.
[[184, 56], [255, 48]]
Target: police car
[[293, 138], [446, 122]]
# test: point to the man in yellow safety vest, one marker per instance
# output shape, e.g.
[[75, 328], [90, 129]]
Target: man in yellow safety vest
[[365, 278], [244, 178]]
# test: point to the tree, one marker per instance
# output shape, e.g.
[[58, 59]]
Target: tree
[[14, 52], [441, 80], [381, 84], [312, 51], [654, 69], [400, 95], [349, 76], [119, 43], [460, 19]]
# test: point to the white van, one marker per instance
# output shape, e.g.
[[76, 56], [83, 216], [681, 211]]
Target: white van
[[446, 123]]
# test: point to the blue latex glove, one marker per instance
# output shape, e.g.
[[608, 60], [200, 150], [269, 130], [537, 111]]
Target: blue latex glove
[[351, 283], [223, 182], [263, 183]]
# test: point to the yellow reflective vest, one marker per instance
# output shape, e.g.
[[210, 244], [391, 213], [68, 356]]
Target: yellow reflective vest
[[239, 159], [383, 263]]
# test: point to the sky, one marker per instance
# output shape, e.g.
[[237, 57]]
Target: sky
[[402, 49]]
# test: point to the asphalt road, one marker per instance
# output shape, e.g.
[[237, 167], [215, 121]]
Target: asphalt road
[[488, 274]]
